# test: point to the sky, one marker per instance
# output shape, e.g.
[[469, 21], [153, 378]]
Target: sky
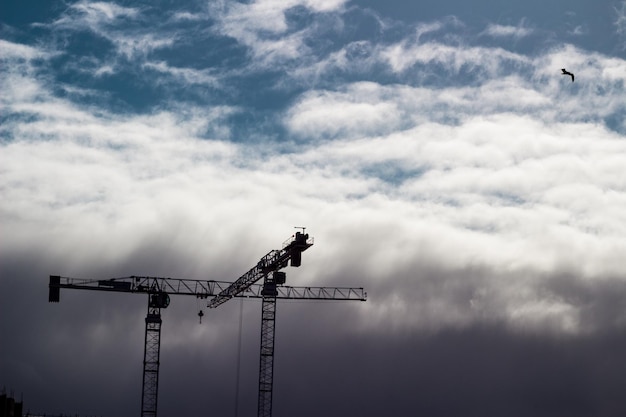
[[432, 149]]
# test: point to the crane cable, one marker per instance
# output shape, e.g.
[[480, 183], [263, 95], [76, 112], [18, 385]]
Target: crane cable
[[238, 358]]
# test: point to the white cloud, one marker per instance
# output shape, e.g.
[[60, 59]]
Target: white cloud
[[505, 82], [10, 50], [94, 15], [515, 196], [17, 79], [108, 21], [262, 26], [99, 11], [579, 30], [325, 5], [453, 204], [141, 44], [186, 75], [187, 16], [516, 173], [620, 23], [499, 31], [430, 27], [355, 58], [267, 15], [403, 55], [358, 110], [104, 71]]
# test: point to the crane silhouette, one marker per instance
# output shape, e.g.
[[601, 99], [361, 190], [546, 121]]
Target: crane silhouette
[[565, 72], [159, 290]]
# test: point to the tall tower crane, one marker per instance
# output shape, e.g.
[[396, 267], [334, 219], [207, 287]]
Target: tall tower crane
[[159, 289], [268, 269]]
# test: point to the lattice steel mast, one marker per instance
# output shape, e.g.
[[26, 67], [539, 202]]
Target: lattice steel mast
[[151, 354], [266, 361]]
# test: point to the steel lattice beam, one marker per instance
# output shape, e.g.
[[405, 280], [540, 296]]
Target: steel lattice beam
[[151, 363], [274, 261], [266, 364], [198, 288]]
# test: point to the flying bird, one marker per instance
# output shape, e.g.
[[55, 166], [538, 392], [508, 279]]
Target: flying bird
[[565, 72]]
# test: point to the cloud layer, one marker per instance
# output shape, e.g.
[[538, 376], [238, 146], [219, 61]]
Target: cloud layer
[[451, 171]]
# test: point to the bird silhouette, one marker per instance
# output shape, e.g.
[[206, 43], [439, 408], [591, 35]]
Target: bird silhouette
[[565, 72]]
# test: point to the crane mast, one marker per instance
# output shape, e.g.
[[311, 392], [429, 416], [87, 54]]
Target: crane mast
[[266, 361], [151, 354]]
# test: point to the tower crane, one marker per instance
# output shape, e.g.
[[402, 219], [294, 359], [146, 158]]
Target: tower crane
[[159, 290], [268, 269]]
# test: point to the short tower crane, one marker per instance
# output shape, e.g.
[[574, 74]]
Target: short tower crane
[[268, 269]]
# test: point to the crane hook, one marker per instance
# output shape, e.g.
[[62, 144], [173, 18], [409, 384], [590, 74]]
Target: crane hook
[[200, 314]]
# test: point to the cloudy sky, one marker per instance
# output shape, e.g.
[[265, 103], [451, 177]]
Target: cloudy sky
[[432, 148]]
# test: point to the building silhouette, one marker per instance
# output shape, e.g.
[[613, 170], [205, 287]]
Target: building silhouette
[[9, 407]]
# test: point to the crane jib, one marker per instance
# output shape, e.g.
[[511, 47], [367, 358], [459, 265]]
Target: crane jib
[[274, 261]]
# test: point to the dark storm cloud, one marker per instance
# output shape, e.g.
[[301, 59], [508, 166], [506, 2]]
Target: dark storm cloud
[[96, 340], [483, 370], [326, 363]]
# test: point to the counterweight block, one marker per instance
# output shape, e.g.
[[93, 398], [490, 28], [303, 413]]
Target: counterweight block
[[54, 289]]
